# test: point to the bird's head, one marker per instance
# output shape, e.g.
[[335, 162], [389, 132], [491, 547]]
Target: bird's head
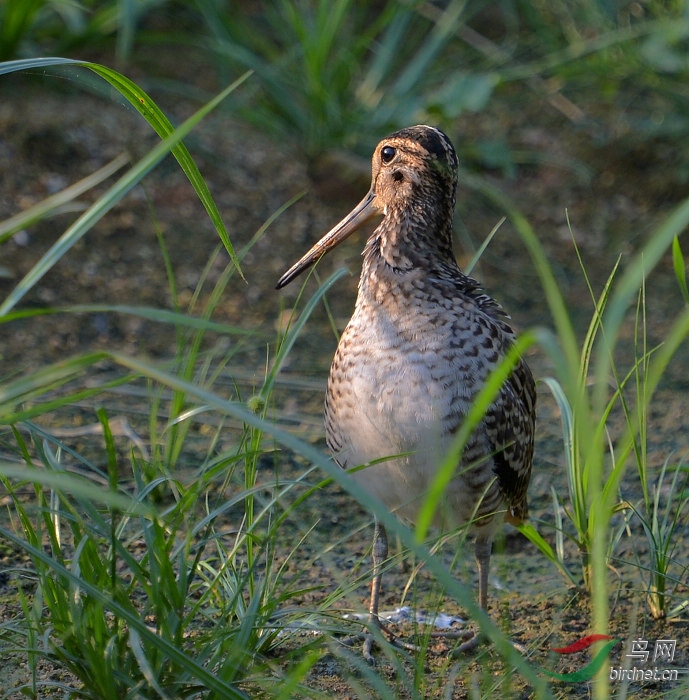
[[413, 176]]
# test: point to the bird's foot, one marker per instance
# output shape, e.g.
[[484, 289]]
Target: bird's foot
[[370, 637], [469, 640], [472, 641]]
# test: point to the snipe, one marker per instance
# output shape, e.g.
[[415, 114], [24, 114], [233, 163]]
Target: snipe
[[423, 338]]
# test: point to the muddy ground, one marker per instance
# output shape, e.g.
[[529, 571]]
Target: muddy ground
[[52, 133]]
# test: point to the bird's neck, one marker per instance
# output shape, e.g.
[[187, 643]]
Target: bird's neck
[[408, 239]]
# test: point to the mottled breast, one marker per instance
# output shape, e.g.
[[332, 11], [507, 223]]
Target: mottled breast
[[406, 371]]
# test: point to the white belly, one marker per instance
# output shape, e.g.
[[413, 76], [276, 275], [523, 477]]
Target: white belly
[[394, 399]]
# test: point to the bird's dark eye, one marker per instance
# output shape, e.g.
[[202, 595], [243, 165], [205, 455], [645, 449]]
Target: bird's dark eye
[[387, 153]]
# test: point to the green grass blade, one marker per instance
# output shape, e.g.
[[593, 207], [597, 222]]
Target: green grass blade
[[567, 355], [32, 63], [480, 404], [486, 242], [680, 268], [150, 313], [532, 534], [288, 342], [42, 380], [74, 485]]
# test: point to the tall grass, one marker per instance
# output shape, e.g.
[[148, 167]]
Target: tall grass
[[331, 72], [337, 75], [28, 27], [588, 385]]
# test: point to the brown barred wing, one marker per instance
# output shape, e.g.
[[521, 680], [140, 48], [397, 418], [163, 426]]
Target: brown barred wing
[[510, 424]]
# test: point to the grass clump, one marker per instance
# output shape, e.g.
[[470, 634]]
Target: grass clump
[[663, 518]]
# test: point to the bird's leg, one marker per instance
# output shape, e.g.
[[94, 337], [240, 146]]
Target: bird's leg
[[379, 554], [482, 552]]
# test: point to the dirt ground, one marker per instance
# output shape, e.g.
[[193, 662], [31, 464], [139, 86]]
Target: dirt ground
[[52, 133]]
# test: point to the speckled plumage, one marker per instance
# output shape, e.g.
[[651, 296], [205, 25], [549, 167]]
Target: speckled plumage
[[423, 338]]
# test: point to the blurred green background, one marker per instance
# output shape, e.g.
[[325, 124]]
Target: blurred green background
[[340, 73]]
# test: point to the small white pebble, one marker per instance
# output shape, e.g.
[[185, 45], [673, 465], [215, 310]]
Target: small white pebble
[[22, 238]]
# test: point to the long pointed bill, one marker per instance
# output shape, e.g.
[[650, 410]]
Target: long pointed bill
[[365, 210]]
